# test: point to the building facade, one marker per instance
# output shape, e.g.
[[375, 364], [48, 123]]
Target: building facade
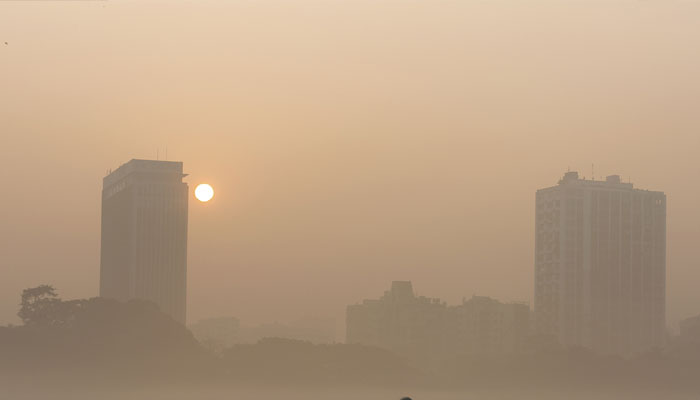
[[600, 265], [482, 325], [400, 321], [427, 328], [144, 235]]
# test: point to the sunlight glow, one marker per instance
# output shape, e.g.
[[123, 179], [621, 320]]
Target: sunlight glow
[[204, 192]]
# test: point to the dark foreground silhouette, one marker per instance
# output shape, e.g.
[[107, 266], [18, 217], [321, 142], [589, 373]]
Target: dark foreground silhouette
[[99, 343], [98, 339]]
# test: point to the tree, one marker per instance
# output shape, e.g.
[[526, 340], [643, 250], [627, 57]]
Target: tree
[[131, 340], [38, 304]]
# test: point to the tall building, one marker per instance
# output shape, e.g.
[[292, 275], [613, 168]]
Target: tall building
[[600, 265], [144, 235]]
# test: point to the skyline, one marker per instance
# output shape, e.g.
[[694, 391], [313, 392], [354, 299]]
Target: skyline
[[437, 139], [340, 321]]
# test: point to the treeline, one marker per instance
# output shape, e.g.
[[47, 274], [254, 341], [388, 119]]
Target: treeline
[[99, 340]]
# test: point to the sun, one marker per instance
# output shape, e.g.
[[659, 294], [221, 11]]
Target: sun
[[204, 192]]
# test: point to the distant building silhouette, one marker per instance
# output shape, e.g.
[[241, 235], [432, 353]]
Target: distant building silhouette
[[690, 329], [600, 264], [217, 333], [426, 327], [309, 329], [398, 321], [485, 325], [220, 333], [144, 235]]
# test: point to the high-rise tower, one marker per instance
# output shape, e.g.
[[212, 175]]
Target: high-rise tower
[[600, 264], [144, 235]]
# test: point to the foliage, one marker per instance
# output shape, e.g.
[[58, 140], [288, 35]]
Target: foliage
[[91, 339], [98, 336], [38, 305]]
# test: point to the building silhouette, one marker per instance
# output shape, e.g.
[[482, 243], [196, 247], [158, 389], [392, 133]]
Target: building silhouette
[[399, 321], [144, 235], [217, 334], [600, 265], [690, 329], [223, 332], [427, 328], [485, 325]]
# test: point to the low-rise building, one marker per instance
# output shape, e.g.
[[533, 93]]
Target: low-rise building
[[423, 327]]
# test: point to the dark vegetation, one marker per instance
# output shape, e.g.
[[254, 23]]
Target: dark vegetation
[[98, 341]]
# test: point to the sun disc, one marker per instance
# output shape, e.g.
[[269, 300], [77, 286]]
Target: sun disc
[[204, 192]]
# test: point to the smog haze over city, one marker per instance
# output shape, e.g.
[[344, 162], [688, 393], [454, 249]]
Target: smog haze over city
[[434, 199]]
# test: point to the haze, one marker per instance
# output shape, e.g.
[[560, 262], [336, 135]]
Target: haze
[[349, 143]]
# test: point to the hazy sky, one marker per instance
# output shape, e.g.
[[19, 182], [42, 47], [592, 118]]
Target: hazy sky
[[350, 143]]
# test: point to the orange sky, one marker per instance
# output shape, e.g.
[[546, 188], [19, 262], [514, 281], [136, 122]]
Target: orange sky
[[350, 143]]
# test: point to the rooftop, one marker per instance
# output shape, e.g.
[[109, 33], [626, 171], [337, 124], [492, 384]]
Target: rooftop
[[572, 177], [138, 165]]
